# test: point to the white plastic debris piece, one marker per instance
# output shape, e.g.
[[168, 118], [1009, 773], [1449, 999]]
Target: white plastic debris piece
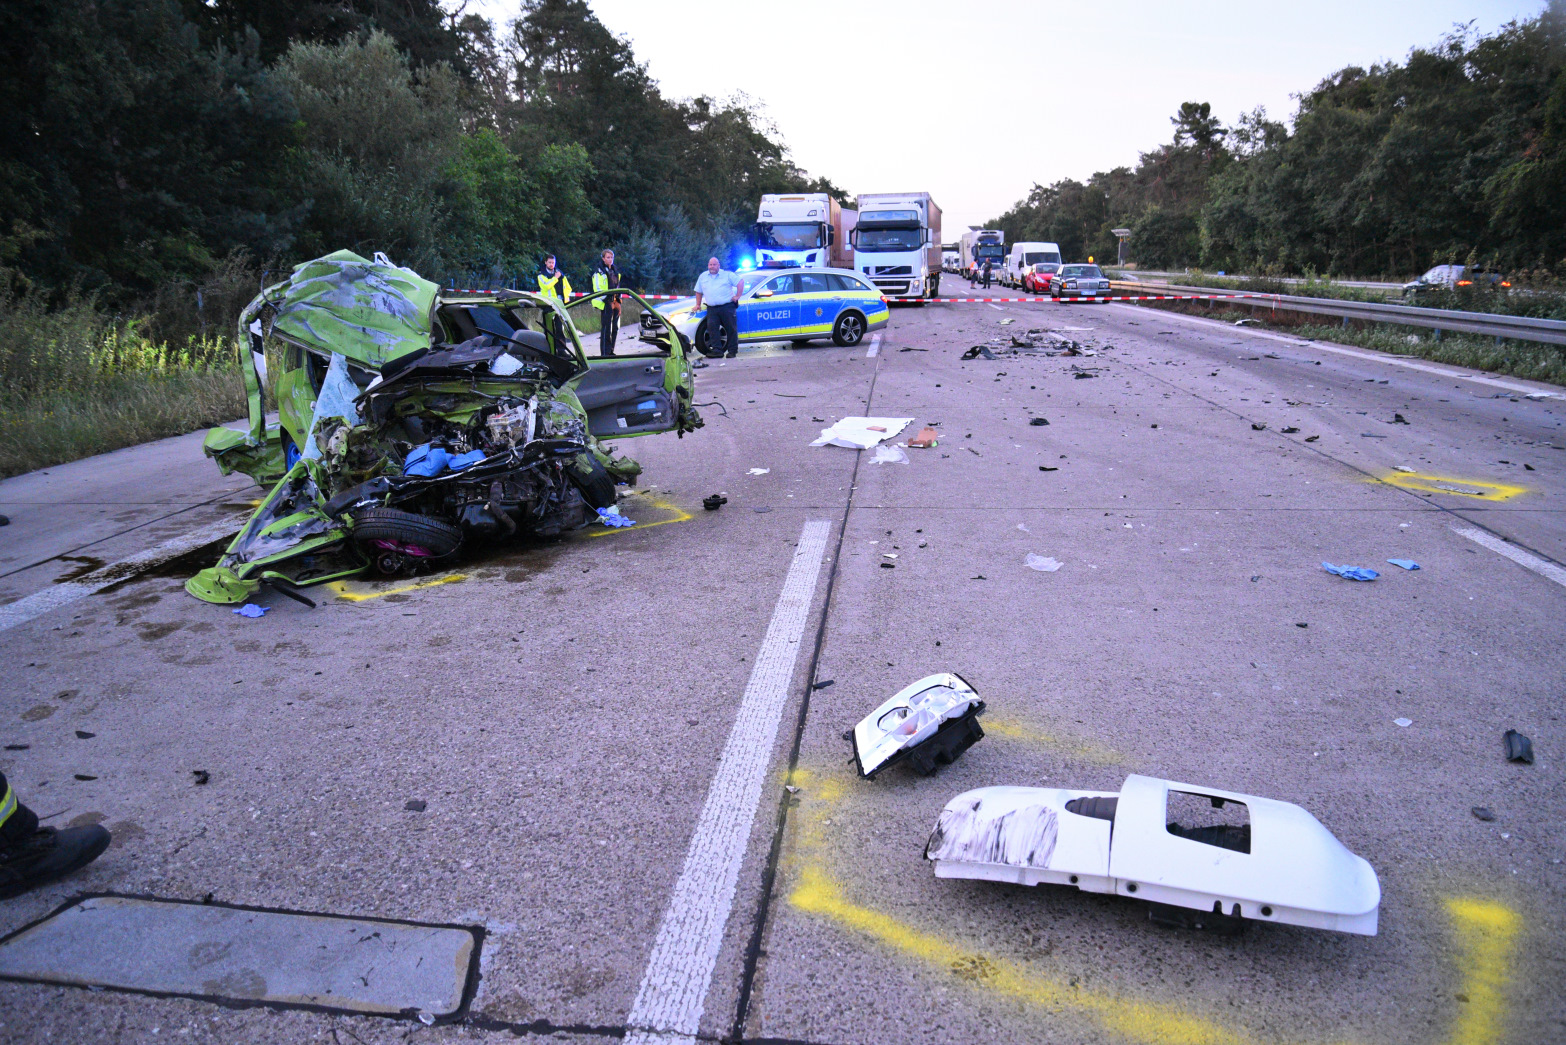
[[759, 471], [861, 433], [504, 365], [889, 455], [1401, 468], [1024, 527], [1404, 722], [1279, 865], [1043, 563], [940, 710]]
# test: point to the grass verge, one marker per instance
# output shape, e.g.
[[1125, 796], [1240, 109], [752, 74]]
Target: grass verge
[[1525, 359], [53, 427]]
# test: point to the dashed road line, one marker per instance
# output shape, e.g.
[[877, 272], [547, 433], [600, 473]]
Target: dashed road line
[[1526, 560], [875, 347], [57, 595], [669, 1004]]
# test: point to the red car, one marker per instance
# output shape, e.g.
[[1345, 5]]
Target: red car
[[1037, 279]]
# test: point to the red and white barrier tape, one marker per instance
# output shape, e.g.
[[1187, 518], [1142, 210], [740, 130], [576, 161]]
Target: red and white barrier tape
[[498, 290], [1115, 297]]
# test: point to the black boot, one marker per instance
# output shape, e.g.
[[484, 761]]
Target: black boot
[[47, 854]]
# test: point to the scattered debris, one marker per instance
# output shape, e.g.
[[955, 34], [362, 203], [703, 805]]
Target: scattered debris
[[861, 433], [1370, 435], [1008, 321], [18, 747], [824, 684], [977, 351], [885, 454], [84, 777], [1399, 419], [1402, 468], [1404, 722], [714, 502], [888, 566], [1301, 624], [1518, 747], [611, 517], [1482, 813], [1289, 431], [415, 805], [1040, 422], [1407, 564], [202, 776], [1255, 427], [758, 471], [5, 520], [82, 734], [250, 609], [928, 723], [1353, 573], [927, 438], [791, 789], [1165, 842], [1312, 438], [1048, 468], [1042, 563], [1247, 322]]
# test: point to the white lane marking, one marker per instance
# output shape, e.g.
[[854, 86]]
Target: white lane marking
[[995, 307], [56, 595], [1524, 559], [875, 347], [1374, 357], [669, 1005]]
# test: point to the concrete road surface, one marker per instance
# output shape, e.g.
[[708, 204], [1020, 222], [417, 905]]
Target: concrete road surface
[[605, 756]]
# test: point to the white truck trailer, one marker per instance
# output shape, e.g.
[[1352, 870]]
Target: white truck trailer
[[802, 229], [978, 245], [897, 243]]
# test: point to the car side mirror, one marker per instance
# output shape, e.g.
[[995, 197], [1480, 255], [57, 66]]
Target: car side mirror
[[763, 293]]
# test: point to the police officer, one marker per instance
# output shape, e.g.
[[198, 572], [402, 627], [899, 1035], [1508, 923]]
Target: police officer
[[552, 282], [607, 277], [31, 856]]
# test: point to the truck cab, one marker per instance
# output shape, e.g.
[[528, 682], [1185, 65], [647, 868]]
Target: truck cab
[[802, 229], [897, 244]]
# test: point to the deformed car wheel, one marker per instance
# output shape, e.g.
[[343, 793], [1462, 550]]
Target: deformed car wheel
[[593, 479], [406, 528], [849, 329]]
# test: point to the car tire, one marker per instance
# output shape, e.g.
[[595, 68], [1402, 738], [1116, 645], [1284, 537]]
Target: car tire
[[701, 342], [392, 524], [593, 479], [849, 330]]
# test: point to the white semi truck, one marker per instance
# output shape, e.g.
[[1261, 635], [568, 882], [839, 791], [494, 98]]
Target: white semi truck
[[802, 229], [897, 243], [978, 245]]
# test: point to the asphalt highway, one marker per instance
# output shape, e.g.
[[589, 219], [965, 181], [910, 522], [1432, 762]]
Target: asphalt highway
[[620, 755]]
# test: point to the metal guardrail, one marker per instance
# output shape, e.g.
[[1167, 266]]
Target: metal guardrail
[[1486, 324]]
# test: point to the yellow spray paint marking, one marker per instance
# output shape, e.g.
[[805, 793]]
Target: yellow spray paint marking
[[1068, 746], [1475, 488], [1486, 932], [638, 507], [1137, 1020], [361, 595]]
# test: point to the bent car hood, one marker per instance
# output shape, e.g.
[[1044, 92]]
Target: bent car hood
[[369, 311]]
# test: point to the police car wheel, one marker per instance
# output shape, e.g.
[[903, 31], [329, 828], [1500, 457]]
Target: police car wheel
[[849, 329], [701, 342]]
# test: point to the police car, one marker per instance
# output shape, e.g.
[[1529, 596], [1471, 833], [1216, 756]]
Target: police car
[[794, 304]]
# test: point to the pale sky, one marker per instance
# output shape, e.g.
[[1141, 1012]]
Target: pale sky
[[975, 101]]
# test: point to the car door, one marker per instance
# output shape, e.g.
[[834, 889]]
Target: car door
[[767, 313], [644, 388], [816, 307]]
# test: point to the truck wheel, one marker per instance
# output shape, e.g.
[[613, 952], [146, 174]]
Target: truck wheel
[[406, 528], [849, 329]]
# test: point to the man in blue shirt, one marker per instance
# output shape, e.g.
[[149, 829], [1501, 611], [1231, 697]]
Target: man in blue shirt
[[720, 289]]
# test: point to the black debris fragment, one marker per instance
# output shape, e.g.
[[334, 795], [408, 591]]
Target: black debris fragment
[[201, 775], [1289, 431], [1528, 466], [18, 747], [714, 502], [415, 805], [1301, 624], [84, 776], [82, 734], [1039, 422], [1518, 747], [978, 351], [1482, 813], [1255, 427], [888, 566], [823, 684], [978, 577], [1399, 419], [5, 520], [1048, 468], [1312, 438]]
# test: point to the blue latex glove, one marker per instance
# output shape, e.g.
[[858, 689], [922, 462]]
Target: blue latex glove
[[1353, 573], [250, 609], [1407, 564]]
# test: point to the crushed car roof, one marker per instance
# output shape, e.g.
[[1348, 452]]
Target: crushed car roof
[[370, 311]]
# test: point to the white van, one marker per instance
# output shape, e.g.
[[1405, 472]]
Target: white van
[[1024, 256]]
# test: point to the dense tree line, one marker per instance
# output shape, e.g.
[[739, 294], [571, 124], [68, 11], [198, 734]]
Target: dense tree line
[[149, 147], [1457, 153]]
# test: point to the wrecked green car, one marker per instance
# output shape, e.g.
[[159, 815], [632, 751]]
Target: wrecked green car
[[411, 422]]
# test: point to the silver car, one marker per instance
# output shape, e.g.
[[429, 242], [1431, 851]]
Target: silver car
[[1079, 281]]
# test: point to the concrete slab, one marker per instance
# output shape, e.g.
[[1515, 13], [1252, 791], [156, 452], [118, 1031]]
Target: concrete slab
[[222, 953]]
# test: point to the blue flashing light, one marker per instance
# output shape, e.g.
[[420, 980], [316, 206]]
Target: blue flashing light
[[746, 264]]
